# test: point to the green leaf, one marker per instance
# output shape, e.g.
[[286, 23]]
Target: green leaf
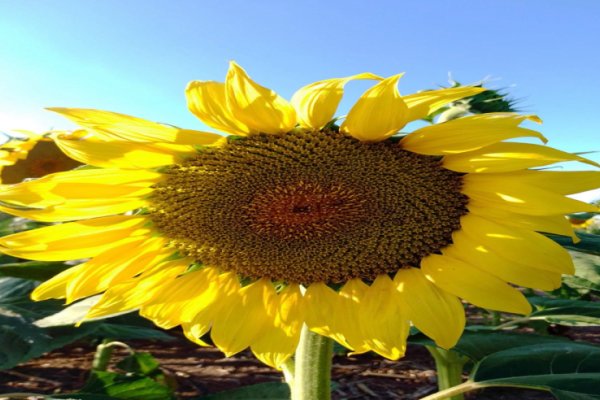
[[589, 243], [570, 367], [14, 297], [565, 312], [131, 332], [79, 396], [35, 270], [267, 390], [587, 272], [567, 395], [481, 343], [128, 387], [21, 339], [140, 363], [18, 339]]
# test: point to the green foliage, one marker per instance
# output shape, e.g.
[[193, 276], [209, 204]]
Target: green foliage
[[488, 101], [587, 274], [570, 367], [589, 243], [267, 391], [565, 311], [478, 344], [131, 386], [34, 270], [491, 101], [21, 339]]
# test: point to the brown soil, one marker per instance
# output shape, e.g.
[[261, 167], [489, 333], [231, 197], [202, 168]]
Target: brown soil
[[200, 371]]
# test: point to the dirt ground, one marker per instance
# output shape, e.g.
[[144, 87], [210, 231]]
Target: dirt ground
[[202, 371]]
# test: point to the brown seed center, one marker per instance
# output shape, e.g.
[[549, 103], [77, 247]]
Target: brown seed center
[[304, 211], [309, 207]]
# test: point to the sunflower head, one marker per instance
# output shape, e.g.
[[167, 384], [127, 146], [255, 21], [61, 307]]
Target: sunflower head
[[354, 230], [32, 156]]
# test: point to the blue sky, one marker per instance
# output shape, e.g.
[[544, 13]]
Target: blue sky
[[136, 56]]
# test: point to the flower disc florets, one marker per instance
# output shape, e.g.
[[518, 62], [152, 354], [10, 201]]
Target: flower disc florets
[[309, 207]]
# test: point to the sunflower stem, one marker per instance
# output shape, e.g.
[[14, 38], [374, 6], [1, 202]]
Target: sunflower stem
[[289, 372], [312, 380], [449, 365]]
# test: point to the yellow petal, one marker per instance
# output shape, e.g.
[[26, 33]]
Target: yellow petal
[[194, 330], [123, 154], [8, 157], [285, 318], [110, 267], [87, 184], [384, 320], [335, 315], [214, 293], [472, 251], [378, 114], [72, 210], [347, 316], [316, 103], [424, 103], [207, 101], [563, 182], [113, 125], [245, 318], [468, 134], [321, 301], [55, 287], [508, 156], [169, 304], [519, 245], [73, 240], [556, 224], [474, 285], [511, 195], [255, 106], [434, 312], [131, 294]]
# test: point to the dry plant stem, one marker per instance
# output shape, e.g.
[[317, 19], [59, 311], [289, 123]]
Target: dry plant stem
[[449, 365], [312, 378]]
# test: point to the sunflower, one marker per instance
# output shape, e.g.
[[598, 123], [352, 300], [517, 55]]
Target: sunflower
[[31, 156], [355, 230]]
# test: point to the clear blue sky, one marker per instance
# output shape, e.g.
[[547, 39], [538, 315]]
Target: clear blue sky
[[137, 56]]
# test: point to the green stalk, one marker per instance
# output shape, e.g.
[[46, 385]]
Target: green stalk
[[312, 370], [455, 392], [449, 365], [102, 355], [289, 372]]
